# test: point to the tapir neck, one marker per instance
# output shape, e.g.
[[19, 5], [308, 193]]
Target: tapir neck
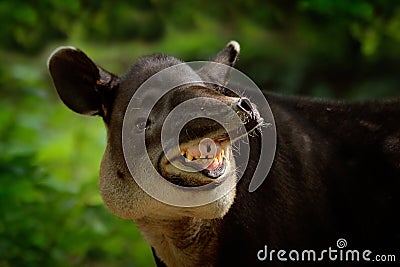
[[182, 242]]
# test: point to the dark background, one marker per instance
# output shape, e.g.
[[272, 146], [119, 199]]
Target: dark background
[[51, 213]]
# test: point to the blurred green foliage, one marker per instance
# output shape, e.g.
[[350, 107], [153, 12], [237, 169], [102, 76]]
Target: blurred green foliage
[[51, 212]]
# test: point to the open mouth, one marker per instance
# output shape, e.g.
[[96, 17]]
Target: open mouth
[[197, 162], [208, 157]]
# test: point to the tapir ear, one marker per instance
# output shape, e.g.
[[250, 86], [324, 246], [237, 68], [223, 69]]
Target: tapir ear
[[81, 85], [227, 56]]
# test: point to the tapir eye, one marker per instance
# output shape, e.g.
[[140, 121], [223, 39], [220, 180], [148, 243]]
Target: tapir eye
[[142, 123]]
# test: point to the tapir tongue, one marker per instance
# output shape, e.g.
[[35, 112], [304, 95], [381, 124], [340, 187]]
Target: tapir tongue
[[214, 165], [217, 171]]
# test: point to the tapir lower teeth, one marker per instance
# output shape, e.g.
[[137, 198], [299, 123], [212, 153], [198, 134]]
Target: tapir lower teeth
[[189, 157]]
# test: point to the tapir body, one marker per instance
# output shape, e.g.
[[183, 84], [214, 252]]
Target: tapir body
[[336, 172]]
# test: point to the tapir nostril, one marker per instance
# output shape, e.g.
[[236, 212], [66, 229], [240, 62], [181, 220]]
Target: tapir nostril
[[245, 105]]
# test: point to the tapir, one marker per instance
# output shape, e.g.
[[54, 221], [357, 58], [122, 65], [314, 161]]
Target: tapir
[[335, 174]]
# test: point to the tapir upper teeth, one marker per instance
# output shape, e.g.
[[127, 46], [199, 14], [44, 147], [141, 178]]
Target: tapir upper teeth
[[190, 157]]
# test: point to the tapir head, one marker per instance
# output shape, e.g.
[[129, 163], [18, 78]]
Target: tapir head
[[204, 153]]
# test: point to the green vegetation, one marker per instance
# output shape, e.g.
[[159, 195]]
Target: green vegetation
[[51, 211]]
